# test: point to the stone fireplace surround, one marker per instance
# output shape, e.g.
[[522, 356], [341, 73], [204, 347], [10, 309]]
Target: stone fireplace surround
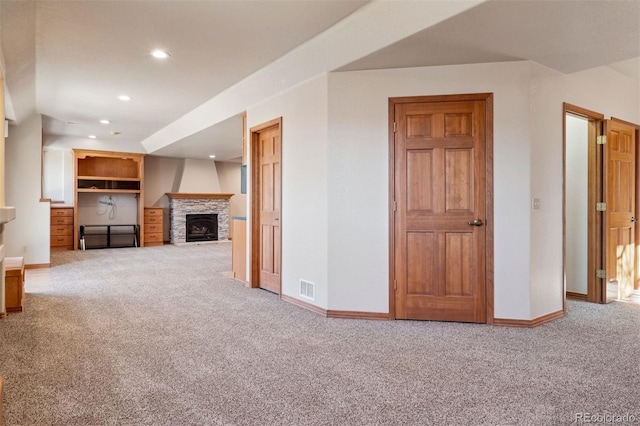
[[181, 204]]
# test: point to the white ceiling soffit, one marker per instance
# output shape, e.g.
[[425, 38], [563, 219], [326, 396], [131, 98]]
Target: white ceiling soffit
[[89, 52], [224, 140], [567, 36]]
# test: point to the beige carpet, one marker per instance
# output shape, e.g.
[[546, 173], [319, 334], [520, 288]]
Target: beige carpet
[[158, 336]]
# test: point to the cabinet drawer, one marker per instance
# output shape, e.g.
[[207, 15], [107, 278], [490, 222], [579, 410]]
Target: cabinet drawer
[[152, 212], [153, 220], [152, 227], [61, 212], [61, 220], [155, 237], [61, 240], [61, 230]]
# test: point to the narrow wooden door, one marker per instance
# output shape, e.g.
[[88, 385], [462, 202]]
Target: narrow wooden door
[[441, 209], [268, 202], [620, 216]]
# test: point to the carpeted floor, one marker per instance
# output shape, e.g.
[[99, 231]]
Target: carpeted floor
[[159, 336]]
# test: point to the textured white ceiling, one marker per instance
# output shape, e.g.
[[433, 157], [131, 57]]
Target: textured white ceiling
[[567, 36]]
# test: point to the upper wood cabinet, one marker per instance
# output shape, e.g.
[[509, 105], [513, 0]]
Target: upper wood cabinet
[[107, 171]]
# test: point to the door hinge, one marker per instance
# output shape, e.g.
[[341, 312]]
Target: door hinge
[[395, 284], [601, 140], [395, 127], [601, 273], [601, 207], [395, 206]]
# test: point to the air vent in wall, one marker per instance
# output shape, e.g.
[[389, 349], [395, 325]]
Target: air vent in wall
[[307, 289]]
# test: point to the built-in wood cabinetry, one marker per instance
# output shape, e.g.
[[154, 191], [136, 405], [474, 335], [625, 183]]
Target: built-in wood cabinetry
[[14, 283], [107, 172], [153, 226], [239, 249], [62, 228]]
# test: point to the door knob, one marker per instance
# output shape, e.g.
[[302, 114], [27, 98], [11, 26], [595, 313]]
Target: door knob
[[633, 219], [477, 222]]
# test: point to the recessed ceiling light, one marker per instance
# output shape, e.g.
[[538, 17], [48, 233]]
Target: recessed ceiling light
[[212, 156], [92, 136], [124, 98], [159, 54], [105, 122]]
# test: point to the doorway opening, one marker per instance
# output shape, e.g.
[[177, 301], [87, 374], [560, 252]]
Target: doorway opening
[[600, 179]]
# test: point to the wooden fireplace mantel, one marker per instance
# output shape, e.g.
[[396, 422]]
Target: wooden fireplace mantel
[[197, 196]]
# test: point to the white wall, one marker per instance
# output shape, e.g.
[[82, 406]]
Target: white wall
[[229, 177], [123, 209], [600, 89], [161, 175], [359, 178], [304, 184], [28, 235], [527, 163], [577, 175], [57, 169], [199, 176]]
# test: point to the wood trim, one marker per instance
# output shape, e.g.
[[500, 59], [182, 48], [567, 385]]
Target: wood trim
[[266, 125], [529, 323], [379, 316], [441, 98], [244, 138], [576, 296], [37, 266], [392, 198], [254, 194], [489, 248], [197, 196], [582, 112], [254, 210], [489, 240], [1, 402], [636, 283], [594, 220], [304, 305], [84, 153]]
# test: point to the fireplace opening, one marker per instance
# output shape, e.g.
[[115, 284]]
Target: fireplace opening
[[202, 227]]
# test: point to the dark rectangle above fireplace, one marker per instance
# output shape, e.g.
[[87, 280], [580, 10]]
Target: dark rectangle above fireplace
[[202, 227]]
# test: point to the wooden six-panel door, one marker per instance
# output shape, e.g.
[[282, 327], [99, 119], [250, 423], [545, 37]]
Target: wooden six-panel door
[[440, 184], [266, 239], [620, 216]]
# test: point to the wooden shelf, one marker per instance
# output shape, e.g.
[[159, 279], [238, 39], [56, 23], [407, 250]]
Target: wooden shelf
[[107, 178], [109, 191]]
